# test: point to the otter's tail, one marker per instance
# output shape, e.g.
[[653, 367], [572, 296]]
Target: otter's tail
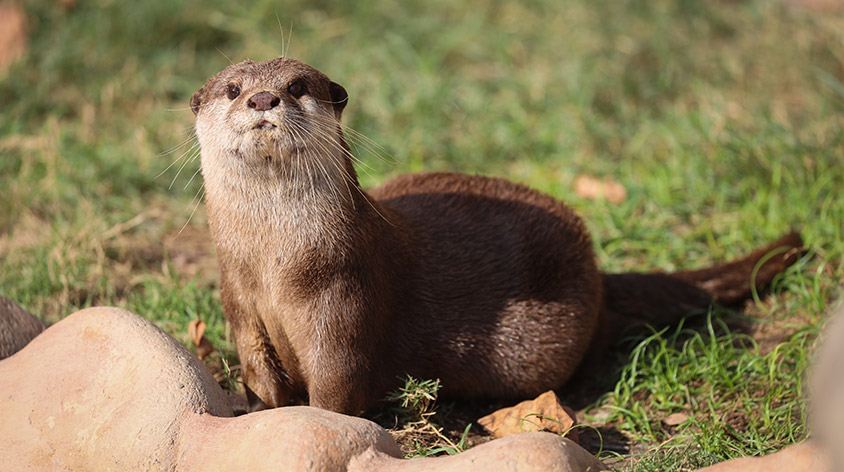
[[660, 299]]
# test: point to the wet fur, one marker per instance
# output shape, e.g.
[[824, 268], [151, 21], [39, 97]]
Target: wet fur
[[334, 293]]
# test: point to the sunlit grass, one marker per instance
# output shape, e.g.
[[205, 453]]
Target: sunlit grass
[[722, 119]]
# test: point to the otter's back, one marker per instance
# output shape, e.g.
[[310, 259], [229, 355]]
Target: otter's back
[[505, 281]]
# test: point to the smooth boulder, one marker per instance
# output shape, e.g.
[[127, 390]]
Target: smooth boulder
[[826, 399], [524, 452], [104, 389], [803, 457]]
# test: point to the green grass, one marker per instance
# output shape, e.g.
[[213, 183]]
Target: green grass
[[722, 119]]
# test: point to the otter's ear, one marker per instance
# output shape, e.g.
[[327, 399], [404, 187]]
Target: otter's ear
[[339, 97], [196, 100]]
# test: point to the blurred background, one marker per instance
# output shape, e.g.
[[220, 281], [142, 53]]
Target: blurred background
[[683, 131]]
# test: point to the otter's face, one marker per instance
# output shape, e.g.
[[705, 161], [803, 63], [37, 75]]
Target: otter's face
[[278, 114]]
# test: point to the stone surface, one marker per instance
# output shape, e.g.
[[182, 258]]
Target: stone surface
[[17, 327], [528, 452], [296, 438], [826, 391], [825, 451], [104, 389], [544, 413], [803, 457]]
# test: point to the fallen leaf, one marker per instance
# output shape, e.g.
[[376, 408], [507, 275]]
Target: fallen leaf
[[675, 419], [196, 331], [12, 34], [593, 188], [544, 413]]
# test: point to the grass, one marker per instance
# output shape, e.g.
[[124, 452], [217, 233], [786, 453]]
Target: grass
[[413, 414], [722, 119]]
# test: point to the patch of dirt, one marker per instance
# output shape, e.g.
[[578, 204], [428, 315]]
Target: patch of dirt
[[192, 253], [771, 322], [142, 244], [28, 232], [819, 6]]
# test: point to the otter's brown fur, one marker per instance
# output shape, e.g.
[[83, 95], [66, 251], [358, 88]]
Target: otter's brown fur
[[334, 293]]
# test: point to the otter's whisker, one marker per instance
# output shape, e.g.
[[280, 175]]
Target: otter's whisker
[[224, 55], [198, 170], [318, 162], [365, 167], [185, 163], [348, 153], [363, 141], [193, 149], [325, 141], [201, 189], [184, 143]]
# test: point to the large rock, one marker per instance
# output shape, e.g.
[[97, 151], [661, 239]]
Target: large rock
[[292, 438], [101, 390], [826, 399], [106, 390], [526, 452], [824, 452], [17, 327], [803, 457]]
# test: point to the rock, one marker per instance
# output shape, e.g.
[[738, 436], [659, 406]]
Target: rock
[[825, 450], [528, 452], [104, 389], [826, 391], [292, 438], [544, 413], [17, 327], [803, 457]]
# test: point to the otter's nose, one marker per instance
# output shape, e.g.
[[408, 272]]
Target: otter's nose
[[263, 101]]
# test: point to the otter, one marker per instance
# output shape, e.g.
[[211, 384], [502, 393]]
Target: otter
[[334, 293]]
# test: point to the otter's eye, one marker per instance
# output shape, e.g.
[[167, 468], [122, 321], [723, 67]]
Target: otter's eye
[[297, 88], [232, 91]]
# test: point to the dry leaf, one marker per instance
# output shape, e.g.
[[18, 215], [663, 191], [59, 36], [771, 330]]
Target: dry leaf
[[544, 413], [675, 419], [196, 331], [596, 189], [12, 34]]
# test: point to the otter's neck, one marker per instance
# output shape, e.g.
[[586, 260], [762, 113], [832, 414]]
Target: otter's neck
[[282, 218]]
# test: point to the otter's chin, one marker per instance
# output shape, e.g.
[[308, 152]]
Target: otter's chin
[[265, 125], [270, 149]]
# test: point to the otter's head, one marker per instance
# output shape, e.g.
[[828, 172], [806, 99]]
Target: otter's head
[[271, 117]]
